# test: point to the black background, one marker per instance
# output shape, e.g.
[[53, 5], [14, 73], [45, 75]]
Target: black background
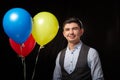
[[102, 28]]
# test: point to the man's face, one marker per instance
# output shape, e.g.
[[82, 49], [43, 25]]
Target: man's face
[[72, 32]]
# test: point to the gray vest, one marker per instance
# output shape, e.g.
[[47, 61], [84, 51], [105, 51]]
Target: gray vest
[[82, 71]]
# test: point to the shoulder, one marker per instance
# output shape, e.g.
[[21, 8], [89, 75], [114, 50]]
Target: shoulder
[[62, 51], [93, 53], [93, 50]]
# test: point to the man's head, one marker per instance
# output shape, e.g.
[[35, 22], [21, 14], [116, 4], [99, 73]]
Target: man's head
[[73, 19], [73, 29]]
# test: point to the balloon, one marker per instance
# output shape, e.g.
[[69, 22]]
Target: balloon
[[24, 49], [17, 24], [45, 27]]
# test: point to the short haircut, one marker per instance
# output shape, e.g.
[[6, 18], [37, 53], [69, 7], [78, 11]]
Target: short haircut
[[73, 19]]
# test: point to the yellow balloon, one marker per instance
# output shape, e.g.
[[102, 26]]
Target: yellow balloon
[[45, 27]]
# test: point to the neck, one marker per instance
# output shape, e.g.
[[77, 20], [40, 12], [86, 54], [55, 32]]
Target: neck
[[72, 45]]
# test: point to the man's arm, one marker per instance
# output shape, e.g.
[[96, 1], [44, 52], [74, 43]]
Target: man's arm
[[57, 70], [95, 65]]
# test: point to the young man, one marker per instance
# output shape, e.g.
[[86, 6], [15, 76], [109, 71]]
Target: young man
[[77, 61]]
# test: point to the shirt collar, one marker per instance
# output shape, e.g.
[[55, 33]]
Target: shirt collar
[[77, 46]]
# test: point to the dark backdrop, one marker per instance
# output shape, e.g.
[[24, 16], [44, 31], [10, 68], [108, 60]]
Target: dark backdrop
[[102, 28]]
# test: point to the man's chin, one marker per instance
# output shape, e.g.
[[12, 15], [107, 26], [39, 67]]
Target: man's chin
[[71, 41]]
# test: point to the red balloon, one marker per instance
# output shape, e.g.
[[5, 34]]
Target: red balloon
[[24, 49]]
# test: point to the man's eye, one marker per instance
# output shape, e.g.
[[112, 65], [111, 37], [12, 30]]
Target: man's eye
[[67, 29], [76, 28]]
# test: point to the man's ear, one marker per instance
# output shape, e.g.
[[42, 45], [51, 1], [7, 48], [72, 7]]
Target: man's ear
[[82, 31], [63, 33]]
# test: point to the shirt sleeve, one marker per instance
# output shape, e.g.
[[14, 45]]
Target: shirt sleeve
[[57, 70], [95, 64]]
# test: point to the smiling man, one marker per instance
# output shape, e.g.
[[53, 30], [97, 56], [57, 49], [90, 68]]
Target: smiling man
[[77, 61]]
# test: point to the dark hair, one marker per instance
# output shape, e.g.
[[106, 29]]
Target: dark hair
[[73, 19]]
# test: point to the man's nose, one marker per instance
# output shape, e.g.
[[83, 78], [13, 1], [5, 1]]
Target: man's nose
[[71, 31]]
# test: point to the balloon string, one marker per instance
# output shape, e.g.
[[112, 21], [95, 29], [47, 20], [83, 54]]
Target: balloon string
[[23, 62], [24, 67], [36, 63]]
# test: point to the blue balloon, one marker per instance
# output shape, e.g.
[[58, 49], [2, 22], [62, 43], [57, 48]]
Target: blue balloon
[[17, 24]]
